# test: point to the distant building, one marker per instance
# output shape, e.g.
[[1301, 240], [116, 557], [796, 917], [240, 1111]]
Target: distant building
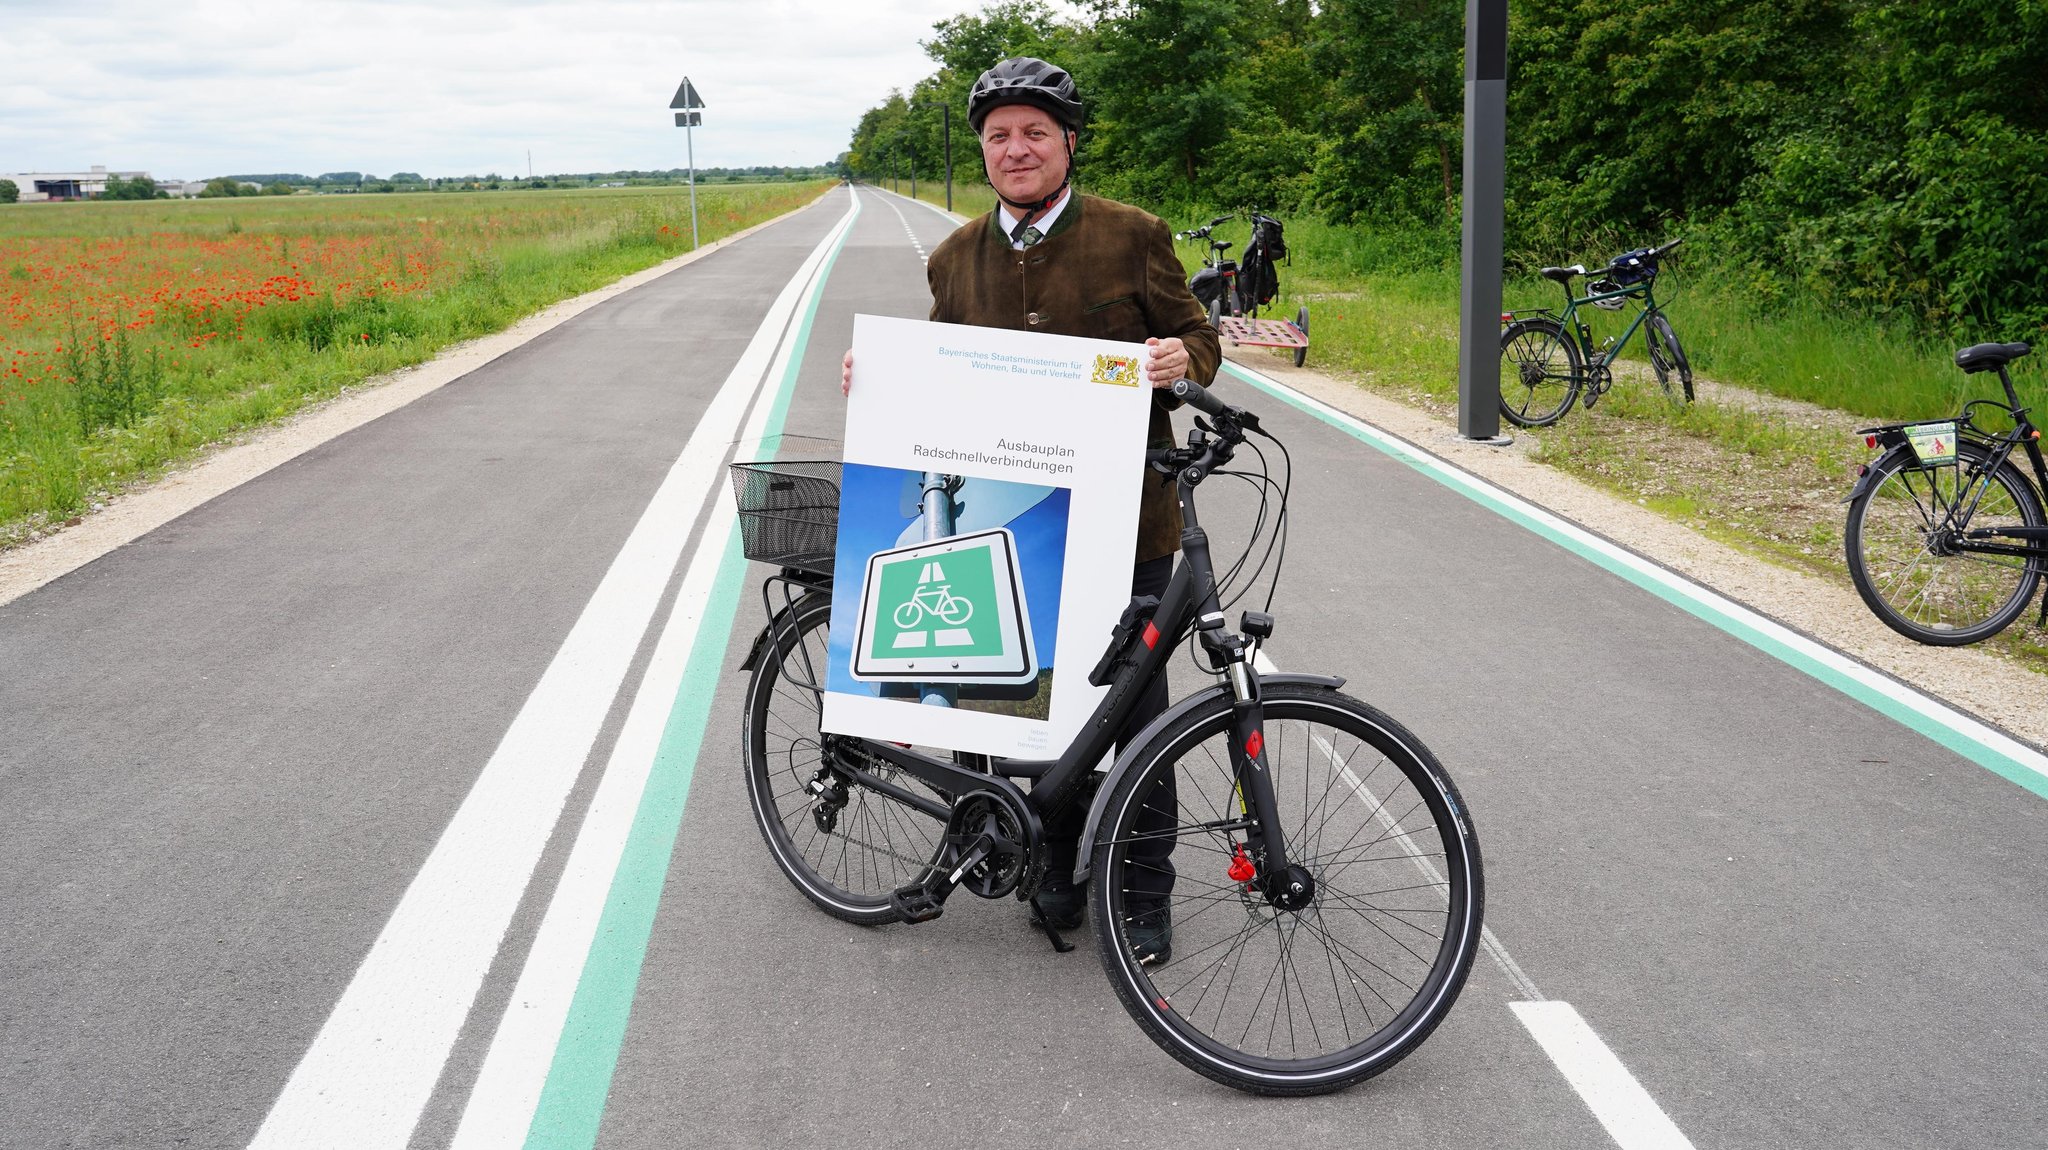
[[40, 187]]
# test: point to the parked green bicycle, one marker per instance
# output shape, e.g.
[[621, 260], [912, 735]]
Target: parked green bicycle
[[1549, 359]]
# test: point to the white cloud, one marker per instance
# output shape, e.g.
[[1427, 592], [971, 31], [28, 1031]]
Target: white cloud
[[445, 87]]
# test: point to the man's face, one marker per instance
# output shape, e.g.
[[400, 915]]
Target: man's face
[[1025, 152]]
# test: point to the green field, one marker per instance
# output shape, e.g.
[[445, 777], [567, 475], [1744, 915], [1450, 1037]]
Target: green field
[[135, 334]]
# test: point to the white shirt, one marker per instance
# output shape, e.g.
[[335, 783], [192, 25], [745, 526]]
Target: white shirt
[[1009, 219]]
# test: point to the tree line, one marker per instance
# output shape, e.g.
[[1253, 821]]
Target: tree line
[[1886, 155]]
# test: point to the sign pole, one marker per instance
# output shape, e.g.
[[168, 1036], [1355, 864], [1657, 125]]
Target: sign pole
[[938, 515], [690, 149], [686, 104]]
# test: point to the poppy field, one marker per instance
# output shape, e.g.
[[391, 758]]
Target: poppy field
[[133, 335]]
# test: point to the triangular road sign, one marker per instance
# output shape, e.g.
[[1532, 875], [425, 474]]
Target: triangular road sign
[[686, 96]]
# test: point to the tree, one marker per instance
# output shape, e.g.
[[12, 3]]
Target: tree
[[222, 187], [407, 178], [10, 192], [139, 188]]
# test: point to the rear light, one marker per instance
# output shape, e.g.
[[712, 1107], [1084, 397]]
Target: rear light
[[1870, 441], [1507, 317]]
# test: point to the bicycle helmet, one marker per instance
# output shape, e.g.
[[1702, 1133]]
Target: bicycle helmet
[[1024, 80]]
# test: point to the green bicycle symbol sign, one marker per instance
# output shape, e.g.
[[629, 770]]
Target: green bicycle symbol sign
[[949, 610]]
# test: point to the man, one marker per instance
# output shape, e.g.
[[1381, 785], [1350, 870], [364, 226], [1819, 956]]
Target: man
[[1048, 259]]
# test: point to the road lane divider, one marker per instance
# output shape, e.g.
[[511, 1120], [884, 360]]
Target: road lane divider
[[559, 1038], [1968, 736], [1632, 1118], [371, 1069]]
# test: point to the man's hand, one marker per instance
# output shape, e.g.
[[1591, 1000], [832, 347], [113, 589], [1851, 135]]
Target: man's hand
[[846, 373], [1169, 361]]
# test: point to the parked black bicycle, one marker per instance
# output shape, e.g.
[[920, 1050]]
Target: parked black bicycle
[[1286, 887], [1947, 539], [1549, 359], [1229, 291]]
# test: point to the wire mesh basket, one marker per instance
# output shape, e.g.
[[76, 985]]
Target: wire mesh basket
[[789, 511]]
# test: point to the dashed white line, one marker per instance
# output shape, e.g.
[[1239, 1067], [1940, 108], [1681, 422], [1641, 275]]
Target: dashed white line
[[922, 255]]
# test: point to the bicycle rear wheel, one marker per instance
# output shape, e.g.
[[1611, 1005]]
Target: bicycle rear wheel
[[1667, 355], [1540, 373], [1302, 1001], [843, 845], [1899, 553]]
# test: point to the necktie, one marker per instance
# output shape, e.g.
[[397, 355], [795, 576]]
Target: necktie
[[1026, 234]]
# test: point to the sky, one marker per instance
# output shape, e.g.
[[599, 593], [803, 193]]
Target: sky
[[198, 89]]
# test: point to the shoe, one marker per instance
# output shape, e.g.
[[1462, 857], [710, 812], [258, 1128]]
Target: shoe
[[1151, 932], [1064, 905]]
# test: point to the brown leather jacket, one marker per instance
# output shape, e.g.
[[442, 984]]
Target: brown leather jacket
[[1105, 271]]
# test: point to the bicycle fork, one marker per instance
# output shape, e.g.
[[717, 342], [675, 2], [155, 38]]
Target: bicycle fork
[[1285, 884]]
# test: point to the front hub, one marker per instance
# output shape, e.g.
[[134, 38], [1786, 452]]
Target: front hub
[[1294, 890]]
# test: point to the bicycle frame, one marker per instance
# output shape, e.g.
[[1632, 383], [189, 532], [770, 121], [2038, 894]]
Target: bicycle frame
[[1582, 333]]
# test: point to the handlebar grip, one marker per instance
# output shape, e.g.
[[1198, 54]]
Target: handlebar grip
[[1196, 396]]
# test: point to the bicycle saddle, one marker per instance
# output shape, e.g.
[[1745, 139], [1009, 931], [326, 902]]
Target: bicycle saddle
[[1563, 275], [1989, 356], [1220, 245]]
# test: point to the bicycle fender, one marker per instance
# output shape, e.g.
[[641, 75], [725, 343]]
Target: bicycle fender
[[1084, 860], [760, 644], [1871, 469]]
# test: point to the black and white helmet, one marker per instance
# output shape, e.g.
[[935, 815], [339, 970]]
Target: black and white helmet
[[1025, 80]]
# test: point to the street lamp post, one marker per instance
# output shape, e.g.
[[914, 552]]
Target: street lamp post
[[946, 112], [687, 118]]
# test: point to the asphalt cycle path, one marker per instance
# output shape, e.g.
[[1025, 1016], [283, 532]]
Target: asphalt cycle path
[[230, 750], [394, 799]]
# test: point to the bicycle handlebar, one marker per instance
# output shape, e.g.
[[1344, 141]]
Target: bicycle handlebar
[[1196, 396]]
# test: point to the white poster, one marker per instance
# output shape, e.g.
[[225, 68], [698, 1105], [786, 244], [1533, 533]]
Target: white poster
[[988, 515]]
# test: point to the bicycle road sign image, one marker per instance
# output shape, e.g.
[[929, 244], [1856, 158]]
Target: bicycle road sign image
[[952, 610]]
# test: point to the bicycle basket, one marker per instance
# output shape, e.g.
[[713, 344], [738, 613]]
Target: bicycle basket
[[789, 512]]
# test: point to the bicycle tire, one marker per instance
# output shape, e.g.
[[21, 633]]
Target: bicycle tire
[[1535, 388], [1667, 355], [1371, 814], [1893, 545], [876, 843]]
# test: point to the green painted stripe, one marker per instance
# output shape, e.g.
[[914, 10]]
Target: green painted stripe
[[572, 1103], [579, 1078], [1860, 684]]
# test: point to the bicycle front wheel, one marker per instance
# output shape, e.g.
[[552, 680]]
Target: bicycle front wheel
[[1901, 556], [1322, 996], [844, 845], [1540, 373], [1667, 355]]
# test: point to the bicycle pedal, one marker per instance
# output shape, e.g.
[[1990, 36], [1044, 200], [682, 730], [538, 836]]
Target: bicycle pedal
[[916, 902], [1592, 397]]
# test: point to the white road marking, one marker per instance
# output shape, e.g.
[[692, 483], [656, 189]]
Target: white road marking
[[372, 1067], [1632, 1118], [922, 256], [515, 1070]]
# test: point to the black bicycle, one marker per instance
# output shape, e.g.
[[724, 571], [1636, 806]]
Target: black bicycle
[[1215, 286], [1947, 540], [1286, 884], [1549, 359]]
